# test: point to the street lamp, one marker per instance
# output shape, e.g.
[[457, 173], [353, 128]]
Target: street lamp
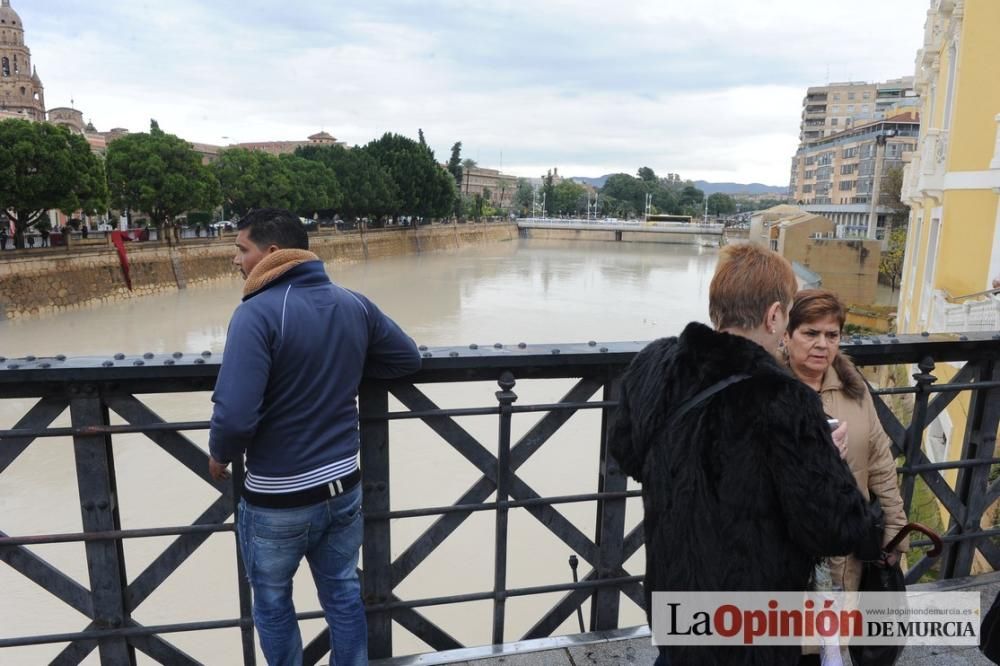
[[222, 206], [880, 141]]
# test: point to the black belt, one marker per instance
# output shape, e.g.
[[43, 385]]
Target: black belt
[[313, 495]]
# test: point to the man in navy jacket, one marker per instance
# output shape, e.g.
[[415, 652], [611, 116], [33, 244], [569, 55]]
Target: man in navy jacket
[[286, 398]]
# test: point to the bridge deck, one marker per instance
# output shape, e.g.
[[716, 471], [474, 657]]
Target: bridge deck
[[623, 226], [632, 646]]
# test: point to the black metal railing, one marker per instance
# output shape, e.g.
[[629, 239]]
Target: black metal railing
[[94, 388]]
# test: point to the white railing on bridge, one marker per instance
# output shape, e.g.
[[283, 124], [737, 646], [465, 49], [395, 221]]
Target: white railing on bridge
[[614, 224]]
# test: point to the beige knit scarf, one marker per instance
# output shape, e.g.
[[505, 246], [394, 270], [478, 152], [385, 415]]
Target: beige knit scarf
[[273, 266]]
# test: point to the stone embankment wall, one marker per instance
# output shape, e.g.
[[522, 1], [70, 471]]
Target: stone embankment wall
[[51, 281]]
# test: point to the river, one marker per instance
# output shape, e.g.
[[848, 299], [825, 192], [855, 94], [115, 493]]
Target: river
[[527, 290]]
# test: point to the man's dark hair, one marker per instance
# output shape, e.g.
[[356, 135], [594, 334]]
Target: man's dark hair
[[275, 226]]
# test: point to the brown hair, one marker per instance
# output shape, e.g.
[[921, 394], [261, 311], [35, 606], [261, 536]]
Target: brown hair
[[748, 280], [814, 304]]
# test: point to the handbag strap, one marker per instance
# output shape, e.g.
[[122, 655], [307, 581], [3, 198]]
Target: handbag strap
[[704, 395]]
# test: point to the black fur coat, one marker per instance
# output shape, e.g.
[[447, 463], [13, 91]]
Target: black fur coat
[[746, 490]]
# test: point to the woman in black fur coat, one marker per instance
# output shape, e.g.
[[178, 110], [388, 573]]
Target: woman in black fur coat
[[746, 490]]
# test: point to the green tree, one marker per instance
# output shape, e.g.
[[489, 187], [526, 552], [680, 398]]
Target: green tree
[[691, 196], [524, 197], [469, 163], [159, 174], [627, 194], [721, 204], [455, 163], [664, 200], [45, 167], [569, 198], [891, 263], [314, 185], [891, 196], [252, 179], [366, 187], [646, 174], [549, 193], [424, 188]]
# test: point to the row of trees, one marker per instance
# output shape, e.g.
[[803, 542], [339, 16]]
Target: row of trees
[[45, 167], [622, 195]]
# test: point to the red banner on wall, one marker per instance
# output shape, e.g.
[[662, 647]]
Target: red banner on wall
[[118, 239]]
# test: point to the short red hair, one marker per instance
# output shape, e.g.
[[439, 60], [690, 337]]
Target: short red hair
[[748, 280]]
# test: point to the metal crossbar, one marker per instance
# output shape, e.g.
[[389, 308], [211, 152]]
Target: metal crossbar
[[94, 388]]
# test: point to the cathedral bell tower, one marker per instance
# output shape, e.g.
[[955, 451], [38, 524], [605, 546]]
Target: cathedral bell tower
[[21, 91]]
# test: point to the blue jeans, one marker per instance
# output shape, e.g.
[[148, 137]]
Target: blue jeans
[[328, 535]]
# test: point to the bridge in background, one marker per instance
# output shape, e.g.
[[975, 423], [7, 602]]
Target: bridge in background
[[621, 227], [104, 398]]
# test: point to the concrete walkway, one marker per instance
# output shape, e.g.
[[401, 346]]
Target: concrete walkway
[[632, 646]]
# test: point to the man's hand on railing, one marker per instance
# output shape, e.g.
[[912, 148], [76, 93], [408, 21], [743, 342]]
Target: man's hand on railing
[[218, 470]]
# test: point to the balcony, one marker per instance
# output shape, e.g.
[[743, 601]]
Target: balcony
[[933, 157], [909, 194], [977, 312]]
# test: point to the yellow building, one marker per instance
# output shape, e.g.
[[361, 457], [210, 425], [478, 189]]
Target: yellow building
[[953, 186]]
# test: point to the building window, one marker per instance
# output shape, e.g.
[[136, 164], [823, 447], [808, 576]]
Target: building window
[[835, 109], [806, 189], [847, 169], [850, 97], [834, 121], [864, 108], [808, 175], [850, 108], [836, 97], [810, 160], [849, 152], [846, 185], [949, 96], [867, 95], [5, 66]]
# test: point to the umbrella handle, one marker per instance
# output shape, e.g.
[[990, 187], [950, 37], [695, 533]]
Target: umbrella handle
[[917, 527]]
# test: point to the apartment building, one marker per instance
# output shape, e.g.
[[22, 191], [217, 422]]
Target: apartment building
[[833, 108], [835, 176]]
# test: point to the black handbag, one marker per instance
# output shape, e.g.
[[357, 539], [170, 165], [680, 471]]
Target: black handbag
[[877, 575], [989, 634]]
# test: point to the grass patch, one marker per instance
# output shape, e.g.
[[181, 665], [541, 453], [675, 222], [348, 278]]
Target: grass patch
[[925, 510]]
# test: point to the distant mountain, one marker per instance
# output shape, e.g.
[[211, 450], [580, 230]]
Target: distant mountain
[[705, 186], [740, 188], [593, 182]]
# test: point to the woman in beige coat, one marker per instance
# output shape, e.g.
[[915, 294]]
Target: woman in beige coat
[[812, 345]]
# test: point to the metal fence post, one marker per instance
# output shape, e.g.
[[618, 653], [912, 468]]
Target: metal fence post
[[95, 473], [376, 578], [246, 598], [506, 397], [610, 529], [972, 483], [915, 432]]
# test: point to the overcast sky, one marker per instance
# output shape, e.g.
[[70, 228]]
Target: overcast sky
[[710, 89]]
